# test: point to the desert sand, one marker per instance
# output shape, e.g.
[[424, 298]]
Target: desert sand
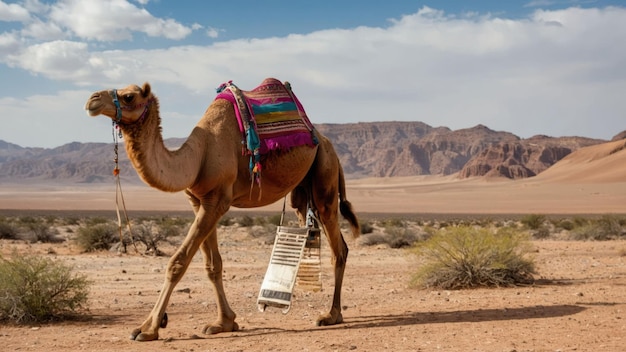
[[577, 304], [589, 181]]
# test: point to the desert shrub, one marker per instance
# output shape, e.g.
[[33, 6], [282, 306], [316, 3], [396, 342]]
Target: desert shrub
[[225, 221], [152, 235], [399, 237], [36, 289], [260, 220], [394, 237], [8, 231], [97, 220], [27, 220], [373, 239], [605, 228], [366, 227], [50, 219], [274, 219], [70, 220], [565, 224], [174, 221], [542, 232], [96, 237], [266, 233], [396, 234], [246, 221], [393, 222], [580, 221], [41, 232], [533, 221], [464, 257]]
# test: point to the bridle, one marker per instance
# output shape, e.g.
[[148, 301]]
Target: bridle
[[119, 108], [119, 196]]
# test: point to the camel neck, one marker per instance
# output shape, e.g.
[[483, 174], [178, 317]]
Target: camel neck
[[159, 167]]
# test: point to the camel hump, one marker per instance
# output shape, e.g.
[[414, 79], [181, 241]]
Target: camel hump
[[271, 81]]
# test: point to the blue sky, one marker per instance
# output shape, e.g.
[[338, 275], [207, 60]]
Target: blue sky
[[528, 67]]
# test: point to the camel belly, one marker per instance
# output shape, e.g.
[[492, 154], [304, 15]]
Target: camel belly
[[281, 172]]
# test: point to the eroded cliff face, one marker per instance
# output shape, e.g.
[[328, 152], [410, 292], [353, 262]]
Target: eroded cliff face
[[388, 149], [514, 160]]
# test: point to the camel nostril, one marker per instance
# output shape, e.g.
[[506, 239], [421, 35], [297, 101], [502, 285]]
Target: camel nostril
[[95, 95]]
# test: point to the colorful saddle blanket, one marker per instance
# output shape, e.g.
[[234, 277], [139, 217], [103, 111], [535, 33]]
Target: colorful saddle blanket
[[270, 117]]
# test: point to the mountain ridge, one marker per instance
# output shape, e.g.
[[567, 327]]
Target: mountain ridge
[[365, 149]]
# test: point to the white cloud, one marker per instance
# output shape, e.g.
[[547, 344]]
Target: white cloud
[[113, 20], [540, 3], [54, 120], [528, 76], [9, 43], [13, 12], [59, 59], [44, 31], [212, 32]]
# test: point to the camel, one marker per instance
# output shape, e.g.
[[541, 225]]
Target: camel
[[210, 168]]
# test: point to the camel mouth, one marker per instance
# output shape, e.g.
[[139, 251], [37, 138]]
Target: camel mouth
[[94, 108]]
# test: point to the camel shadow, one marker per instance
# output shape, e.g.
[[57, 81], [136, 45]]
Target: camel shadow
[[464, 316], [422, 318]]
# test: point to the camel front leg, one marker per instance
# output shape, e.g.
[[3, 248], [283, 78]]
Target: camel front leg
[[225, 321], [203, 225]]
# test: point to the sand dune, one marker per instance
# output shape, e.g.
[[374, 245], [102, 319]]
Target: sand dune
[[591, 180], [599, 163]]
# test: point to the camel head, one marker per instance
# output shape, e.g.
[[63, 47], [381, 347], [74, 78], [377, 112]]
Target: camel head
[[125, 106]]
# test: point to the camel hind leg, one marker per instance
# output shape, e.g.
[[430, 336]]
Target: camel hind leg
[[323, 184]]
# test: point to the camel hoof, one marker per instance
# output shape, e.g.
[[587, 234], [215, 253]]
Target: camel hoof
[[164, 321], [327, 319], [137, 335], [218, 328]]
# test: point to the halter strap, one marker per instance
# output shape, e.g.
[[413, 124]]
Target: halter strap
[[119, 108]]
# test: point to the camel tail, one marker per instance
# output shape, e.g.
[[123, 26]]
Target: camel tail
[[345, 207]]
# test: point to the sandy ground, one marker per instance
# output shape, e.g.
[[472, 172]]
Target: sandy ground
[[416, 195], [577, 304]]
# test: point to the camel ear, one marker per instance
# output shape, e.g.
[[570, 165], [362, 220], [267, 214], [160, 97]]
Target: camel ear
[[146, 89]]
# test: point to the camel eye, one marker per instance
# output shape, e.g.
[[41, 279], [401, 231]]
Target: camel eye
[[128, 98]]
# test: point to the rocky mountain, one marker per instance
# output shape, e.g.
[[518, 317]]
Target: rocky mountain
[[387, 149], [376, 149]]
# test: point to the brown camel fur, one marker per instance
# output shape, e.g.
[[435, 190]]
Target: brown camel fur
[[211, 170]]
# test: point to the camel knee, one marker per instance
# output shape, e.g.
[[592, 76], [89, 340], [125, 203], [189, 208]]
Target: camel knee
[[176, 268]]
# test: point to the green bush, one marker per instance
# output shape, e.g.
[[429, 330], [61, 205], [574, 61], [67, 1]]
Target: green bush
[[97, 220], [394, 237], [533, 221], [565, 224], [399, 237], [607, 227], [36, 289], [41, 232], [225, 221], [366, 227], [246, 221], [97, 237], [8, 231], [464, 257], [393, 222], [274, 219]]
